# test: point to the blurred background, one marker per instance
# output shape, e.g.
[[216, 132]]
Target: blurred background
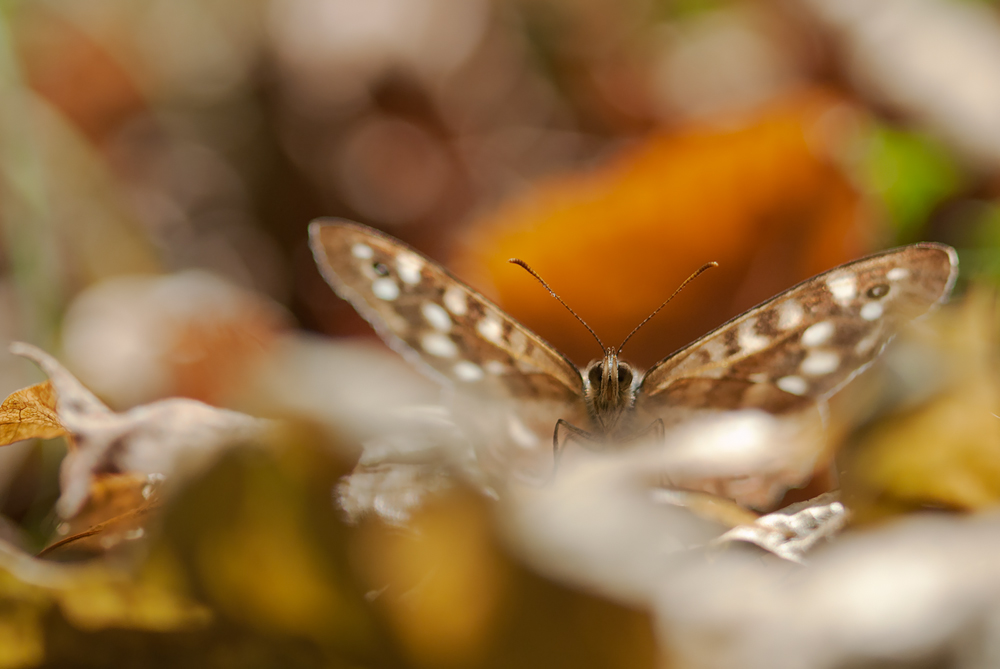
[[161, 159], [615, 146]]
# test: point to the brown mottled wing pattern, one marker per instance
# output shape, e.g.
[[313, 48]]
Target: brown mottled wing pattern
[[513, 385], [803, 345]]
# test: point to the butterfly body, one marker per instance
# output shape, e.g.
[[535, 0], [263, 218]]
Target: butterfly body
[[609, 391], [514, 393]]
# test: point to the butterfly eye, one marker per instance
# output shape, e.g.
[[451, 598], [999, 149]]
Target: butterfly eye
[[881, 290], [595, 374], [624, 376], [380, 269]]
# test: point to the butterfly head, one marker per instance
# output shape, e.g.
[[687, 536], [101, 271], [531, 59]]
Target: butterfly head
[[610, 386]]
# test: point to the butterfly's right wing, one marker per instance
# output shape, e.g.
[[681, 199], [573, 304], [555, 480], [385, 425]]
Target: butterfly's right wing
[[787, 356], [803, 345], [510, 387]]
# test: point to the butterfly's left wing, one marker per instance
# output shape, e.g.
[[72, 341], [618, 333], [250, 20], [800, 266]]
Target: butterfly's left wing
[[509, 386], [794, 351]]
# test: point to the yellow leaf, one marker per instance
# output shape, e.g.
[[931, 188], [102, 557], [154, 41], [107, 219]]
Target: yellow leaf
[[22, 637], [30, 413], [940, 450]]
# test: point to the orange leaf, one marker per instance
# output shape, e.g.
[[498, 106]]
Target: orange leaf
[[30, 413], [764, 198], [116, 511]]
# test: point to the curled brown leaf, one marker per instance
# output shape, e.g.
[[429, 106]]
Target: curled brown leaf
[[30, 413], [153, 438]]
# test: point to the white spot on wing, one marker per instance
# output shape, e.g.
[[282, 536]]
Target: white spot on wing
[[818, 363], [439, 345], [897, 274], [436, 316], [467, 371], [759, 377], [520, 433], [749, 340], [817, 333], [872, 311], [844, 287], [496, 367], [455, 300], [490, 328], [362, 251], [385, 289], [795, 385], [789, 314], [517, 341], [716, 349], [408, 266]]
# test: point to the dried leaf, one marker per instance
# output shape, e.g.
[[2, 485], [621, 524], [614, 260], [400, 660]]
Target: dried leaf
[[112, 495], [72, 398], [278, 575], [902, 595], [412, 460], [104, 536], [938, 446], [30, 413], [149, 439], [116, 511], [793, 531]]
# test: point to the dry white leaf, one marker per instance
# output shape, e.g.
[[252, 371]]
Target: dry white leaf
[[412, 459], [921, 592], [155, 438], [793, 531]]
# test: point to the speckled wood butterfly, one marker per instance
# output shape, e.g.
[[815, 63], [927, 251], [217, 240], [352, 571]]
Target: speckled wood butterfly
[[784, 356]]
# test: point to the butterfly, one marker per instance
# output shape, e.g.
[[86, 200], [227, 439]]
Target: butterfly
[[522, 400]]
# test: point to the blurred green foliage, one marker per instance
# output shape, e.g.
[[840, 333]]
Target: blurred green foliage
[[911, 175]]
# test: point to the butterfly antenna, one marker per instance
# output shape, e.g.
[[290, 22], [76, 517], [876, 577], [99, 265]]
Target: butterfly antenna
[[524, 265], [657, 310]]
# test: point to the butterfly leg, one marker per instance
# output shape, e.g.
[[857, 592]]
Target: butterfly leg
[[654, 430], [654, 433], [563, 437]]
